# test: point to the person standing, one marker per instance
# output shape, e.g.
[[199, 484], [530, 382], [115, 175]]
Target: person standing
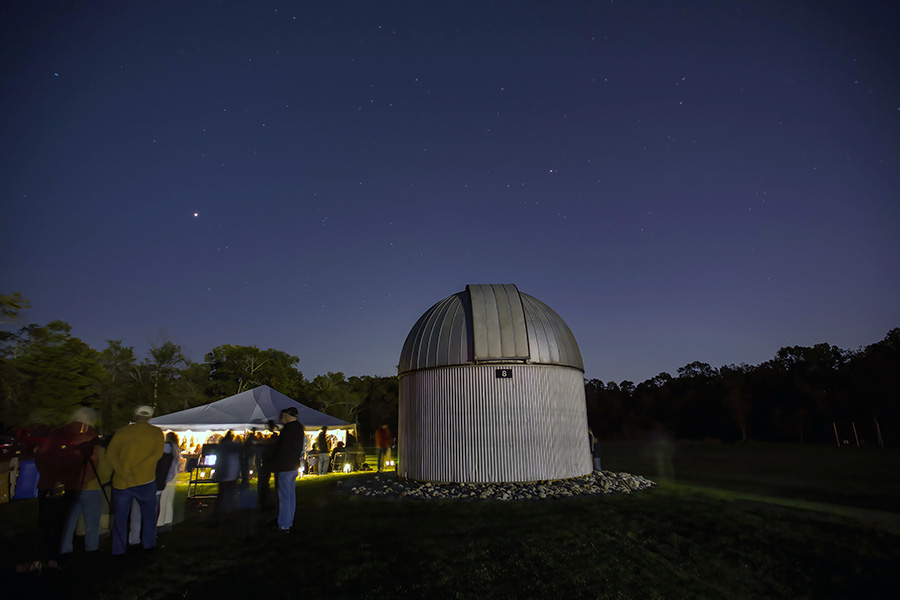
[[384, 439], [228, 470], [286, 458], [265, 449], [251, 451], [167, 497], [322, 449], [133, 453], [594, 446], [89, 497], [63, 465]]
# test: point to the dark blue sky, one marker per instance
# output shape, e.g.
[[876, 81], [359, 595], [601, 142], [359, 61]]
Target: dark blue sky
[[706, 180]]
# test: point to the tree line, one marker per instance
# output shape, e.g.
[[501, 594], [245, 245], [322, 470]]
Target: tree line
[[802, 394], [46, 373]]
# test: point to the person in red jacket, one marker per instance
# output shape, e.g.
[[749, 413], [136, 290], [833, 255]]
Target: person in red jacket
[[384, 439], [86, 489], [63, 464]]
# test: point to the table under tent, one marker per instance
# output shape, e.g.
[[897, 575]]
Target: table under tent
[[200, 428]]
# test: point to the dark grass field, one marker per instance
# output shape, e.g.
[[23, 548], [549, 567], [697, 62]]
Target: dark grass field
[[741, 521], [867, 477]]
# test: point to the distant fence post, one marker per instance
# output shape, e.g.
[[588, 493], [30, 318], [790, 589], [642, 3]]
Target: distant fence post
[[854, 433], [836, 438]]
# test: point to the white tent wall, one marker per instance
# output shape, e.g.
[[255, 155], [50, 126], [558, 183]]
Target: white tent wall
[[245, 412]]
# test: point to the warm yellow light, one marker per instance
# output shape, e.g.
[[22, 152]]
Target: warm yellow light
[[346, 467]]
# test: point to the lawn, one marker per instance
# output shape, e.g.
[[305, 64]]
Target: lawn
[[741, 521], [867, 477]]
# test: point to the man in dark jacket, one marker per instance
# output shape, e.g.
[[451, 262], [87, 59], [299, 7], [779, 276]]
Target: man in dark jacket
[[285, 463]]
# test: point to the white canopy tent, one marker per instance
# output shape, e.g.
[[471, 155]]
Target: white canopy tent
[[248, 410]]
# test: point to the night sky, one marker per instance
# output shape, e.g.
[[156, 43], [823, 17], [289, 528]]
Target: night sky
[[680, 181]]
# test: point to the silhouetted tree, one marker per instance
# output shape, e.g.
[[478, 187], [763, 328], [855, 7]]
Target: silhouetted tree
[[234, 369], [334, 395], [116, 386], [46, 374]]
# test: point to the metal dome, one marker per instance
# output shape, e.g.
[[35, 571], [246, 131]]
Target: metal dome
[[489, 323]]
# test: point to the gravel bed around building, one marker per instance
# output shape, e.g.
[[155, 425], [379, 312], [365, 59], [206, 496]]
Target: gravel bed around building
[[600, 482]]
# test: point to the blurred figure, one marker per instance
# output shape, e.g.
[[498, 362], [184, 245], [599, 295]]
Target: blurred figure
[[251, 449], [337, 462], [322, 449], [662, 448], [594, 445], [356, 452], [383, 441], [64, 461], [89, 501], [246, 500], [265, 449], [246, 509], [228, 469], [133, 453], [286, 461], [167, 494], [246, 459]]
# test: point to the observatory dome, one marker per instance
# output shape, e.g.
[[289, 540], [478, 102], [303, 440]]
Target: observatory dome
[[491, 389], [489, 323]]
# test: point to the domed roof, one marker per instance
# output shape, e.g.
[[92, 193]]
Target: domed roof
[[489, 323]]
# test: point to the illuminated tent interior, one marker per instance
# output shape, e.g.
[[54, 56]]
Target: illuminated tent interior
[[244, 412]]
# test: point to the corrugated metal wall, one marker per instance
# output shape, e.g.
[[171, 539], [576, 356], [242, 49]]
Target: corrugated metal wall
[[464, 424]]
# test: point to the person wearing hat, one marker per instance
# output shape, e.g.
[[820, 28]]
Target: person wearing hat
[[86, 489], [63, 465], [286, 458], [133, 453]]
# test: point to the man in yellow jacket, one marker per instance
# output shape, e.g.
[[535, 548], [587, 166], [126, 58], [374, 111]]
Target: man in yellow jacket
[[133, 453]]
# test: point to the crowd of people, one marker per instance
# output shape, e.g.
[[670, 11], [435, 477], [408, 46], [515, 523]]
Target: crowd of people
[[135, 472]]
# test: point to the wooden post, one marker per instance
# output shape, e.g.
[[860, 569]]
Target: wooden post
[[836, 438], [854, 433], [878, 431]]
